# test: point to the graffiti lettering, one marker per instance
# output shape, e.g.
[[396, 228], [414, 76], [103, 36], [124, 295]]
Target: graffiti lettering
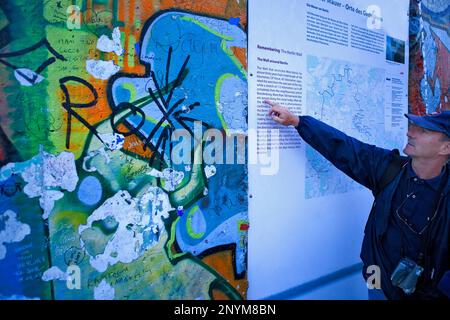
[[9, 190], [69, 106], [119, 110], [170, 113]]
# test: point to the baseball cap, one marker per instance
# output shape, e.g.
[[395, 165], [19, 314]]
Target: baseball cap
[[439, 122]]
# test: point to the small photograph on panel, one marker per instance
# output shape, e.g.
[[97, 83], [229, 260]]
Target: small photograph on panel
[[395, 50]]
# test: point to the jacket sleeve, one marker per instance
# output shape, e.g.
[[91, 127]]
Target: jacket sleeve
[[364, 163]]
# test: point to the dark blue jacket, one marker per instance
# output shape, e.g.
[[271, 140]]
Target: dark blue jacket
[[366, 164]]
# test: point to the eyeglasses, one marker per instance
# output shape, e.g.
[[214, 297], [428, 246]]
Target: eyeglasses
[[409, 224]]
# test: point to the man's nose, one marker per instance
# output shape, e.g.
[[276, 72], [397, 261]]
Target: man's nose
[[412, 130]]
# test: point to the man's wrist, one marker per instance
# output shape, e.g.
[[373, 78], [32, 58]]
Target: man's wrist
[[295, 121]]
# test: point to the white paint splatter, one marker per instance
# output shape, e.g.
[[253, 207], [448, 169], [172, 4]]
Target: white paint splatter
[[14, 231], [171, 177], [155, 173], [107, 45], [210, 171], [47, 201], [54, 273], [101, 69], [156, 203], [104, 291], [46, 175], [46, 179], [113, 141], [117, 48], [136, 219], [27, 77], [122, 246]]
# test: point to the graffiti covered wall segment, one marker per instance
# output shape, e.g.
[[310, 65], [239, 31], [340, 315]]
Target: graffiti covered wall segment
[[429, 81], [93, 203]]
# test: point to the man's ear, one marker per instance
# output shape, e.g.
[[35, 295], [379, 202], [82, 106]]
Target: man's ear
[[445, 148]]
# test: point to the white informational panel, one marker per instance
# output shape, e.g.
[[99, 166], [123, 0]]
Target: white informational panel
[[345, 63]]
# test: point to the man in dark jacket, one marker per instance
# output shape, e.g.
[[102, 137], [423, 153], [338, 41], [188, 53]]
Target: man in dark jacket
[[407, 233]]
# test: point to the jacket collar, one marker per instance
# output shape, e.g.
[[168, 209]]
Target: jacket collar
[[432, 183]]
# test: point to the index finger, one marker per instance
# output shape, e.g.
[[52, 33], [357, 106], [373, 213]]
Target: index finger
[[270, 102]]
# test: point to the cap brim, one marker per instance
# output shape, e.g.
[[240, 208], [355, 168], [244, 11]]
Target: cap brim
[[412, 117], [423, 122]]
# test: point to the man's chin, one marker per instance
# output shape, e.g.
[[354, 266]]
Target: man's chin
[[407, 150]]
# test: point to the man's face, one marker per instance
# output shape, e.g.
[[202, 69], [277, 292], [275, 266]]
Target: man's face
[[423, 143]]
